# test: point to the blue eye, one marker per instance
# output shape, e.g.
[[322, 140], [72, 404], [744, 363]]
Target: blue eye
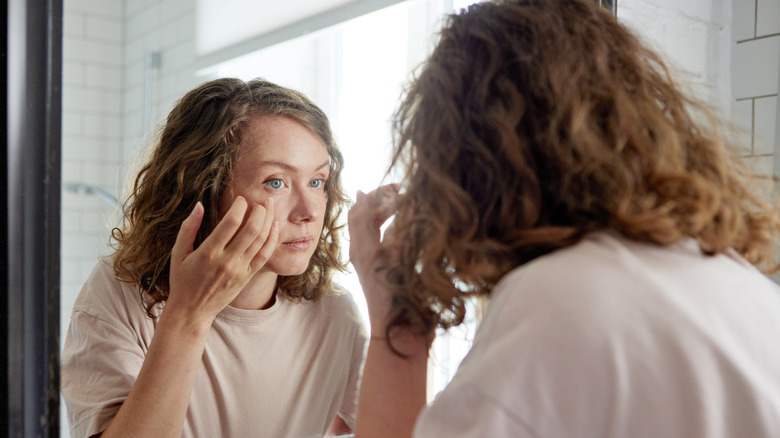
[[274, 184], [317, 183]]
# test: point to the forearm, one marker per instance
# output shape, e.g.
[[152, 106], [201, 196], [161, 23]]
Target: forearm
[[157, 404], [392, 392]]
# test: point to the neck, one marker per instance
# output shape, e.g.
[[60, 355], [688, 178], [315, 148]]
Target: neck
[[258, 294]]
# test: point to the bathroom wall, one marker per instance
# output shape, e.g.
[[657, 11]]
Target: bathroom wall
[[728, 52], [92, 127], [160, 27], [755, 66]]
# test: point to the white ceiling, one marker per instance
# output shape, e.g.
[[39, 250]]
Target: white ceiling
[[222, 23]]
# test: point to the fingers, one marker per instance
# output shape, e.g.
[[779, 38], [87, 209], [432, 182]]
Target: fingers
[[375, 208], [253, 233], [187, 233], [226, 228], [365, 221], [267, 248], [264, 244]]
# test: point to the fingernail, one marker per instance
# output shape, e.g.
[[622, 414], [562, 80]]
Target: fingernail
[[192, 213], [360, 195], [269, 202]]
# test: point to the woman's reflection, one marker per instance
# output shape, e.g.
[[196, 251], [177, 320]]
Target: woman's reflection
[[216, 314]]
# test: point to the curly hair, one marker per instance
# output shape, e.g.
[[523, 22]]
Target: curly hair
[[192, 160], [535, 122]]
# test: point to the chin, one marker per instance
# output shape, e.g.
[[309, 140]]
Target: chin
[[289, 268]]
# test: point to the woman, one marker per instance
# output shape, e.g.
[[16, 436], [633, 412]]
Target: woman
[[217, 314], [552, 165]]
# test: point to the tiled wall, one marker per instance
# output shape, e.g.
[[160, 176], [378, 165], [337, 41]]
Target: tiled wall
[[728, 51], [93, 47], [105, 48], [693, 36], [167, 28], [755, 67], [92, 126]]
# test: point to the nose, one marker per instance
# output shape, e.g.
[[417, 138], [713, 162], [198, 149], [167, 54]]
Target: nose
[[306, 206]]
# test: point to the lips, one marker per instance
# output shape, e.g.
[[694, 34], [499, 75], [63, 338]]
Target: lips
[[301, 243]]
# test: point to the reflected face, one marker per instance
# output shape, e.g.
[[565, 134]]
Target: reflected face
[[280, 158]]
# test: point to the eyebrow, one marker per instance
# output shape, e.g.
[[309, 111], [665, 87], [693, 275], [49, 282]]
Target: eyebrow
[[286, 166]]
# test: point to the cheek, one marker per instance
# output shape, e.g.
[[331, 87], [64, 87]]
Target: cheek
[[321, 209]]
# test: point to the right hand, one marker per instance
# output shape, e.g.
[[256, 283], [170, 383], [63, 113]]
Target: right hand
[[369, 254], [206, 280]]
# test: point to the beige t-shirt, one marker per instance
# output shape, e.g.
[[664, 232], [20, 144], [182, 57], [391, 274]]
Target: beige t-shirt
[[614, 339], [282, 372]]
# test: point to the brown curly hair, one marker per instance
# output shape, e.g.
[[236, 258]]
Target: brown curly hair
[[535, 122], [192, 160]]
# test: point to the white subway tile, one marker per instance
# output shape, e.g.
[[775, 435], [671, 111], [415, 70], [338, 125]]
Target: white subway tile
[[100, 222], [179, 57], [72, 73], [109, 8], [70, 170], [83, 149], [744, 20], [143, 22], [134, 74], [76, 200], [134, 7], [104, 77], [168, 34], [134, 122], [742, 116], [103, 175], [761, 165], [768, 17], [69, 269], [172, 9], [100, 28], [98, 52], [765, 120], [135, 50], [69, 221], [72, 123], [91, 100], [153, 40], [134, 99], [84, 246], [186, 26], [103, 126], [73, 24], [755, 68]]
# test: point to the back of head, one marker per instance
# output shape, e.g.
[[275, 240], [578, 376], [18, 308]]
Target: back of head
[[192, 160], [535, 122]]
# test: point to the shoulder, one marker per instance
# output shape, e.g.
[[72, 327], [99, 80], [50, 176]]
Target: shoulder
[[105, 297], [340, 302]]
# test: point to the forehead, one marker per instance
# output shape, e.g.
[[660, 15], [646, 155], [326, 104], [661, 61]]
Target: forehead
[[278, 139]]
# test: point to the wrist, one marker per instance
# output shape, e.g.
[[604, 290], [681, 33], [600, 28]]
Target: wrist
[[188, 324], [403, 341]]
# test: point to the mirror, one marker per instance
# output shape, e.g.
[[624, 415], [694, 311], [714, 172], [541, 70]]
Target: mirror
[[126, 62]]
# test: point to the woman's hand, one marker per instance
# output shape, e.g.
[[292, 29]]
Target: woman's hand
[[368, 253], [206, 280], [392, 391]]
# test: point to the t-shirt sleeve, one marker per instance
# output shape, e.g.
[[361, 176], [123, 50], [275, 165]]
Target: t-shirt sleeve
[[102, 355], [348, 409]]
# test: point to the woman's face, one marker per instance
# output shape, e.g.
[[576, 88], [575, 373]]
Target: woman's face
[[280, 158]]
